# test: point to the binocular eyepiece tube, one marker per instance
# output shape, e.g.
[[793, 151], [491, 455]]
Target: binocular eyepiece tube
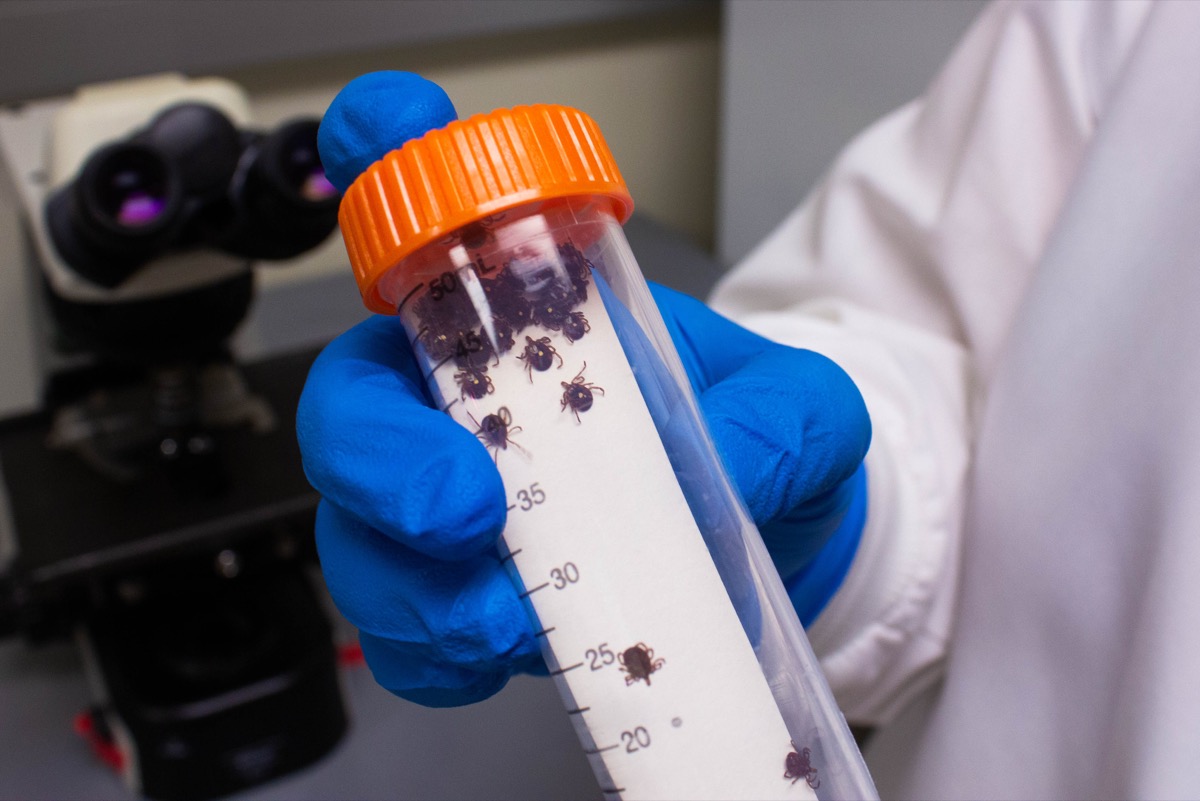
[[191, 179]]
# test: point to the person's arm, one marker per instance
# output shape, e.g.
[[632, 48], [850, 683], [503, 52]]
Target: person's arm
[[906, 266]]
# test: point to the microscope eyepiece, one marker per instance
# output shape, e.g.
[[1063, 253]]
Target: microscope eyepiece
[[191, 179], [284, 204], [123, 209], [128, 190], [290, 162]]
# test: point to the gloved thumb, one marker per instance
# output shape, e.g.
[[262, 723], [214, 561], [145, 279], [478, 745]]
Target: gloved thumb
[[374, 114]]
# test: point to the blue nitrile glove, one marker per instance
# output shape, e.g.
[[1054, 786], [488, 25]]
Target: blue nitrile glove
[[413, 504], [792, 431]]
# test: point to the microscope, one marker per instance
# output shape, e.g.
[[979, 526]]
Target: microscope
[[157, 509]]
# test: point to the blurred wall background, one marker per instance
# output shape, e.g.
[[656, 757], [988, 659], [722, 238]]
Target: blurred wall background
[[799, 79]]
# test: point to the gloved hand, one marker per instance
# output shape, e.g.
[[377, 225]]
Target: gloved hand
[[792, 430], [413, 504]]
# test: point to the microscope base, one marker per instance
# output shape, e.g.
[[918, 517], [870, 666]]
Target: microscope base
[[210, 685]]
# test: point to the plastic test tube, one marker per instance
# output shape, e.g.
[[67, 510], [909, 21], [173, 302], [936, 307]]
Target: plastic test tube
[[498, 241]]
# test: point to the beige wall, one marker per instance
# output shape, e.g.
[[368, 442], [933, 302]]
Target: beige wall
[[651, 88]]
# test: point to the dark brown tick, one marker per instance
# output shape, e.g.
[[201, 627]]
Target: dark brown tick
[[550, 311], [575, 325], [539, 355], [474, 382], [477, 234], [638, 662], [577, 394], [798, 766], [496, 431]]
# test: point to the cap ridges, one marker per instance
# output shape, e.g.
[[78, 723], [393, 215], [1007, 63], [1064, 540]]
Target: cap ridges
[[466, 171]]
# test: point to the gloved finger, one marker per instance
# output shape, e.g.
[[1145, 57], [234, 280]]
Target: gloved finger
[[789, 423], [430, 682], [446, 627], [814, 545], [376, 113], [374, 447], [710, 345]]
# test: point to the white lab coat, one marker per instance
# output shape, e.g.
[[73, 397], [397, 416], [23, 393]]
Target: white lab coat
[[1010, 269]]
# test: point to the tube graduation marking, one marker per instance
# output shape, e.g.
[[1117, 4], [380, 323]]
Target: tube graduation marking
[[407, 297], [527, 593], [561, 671], [437, 367]]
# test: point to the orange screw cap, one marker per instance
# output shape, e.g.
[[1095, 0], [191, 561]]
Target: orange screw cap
[[466, 171]]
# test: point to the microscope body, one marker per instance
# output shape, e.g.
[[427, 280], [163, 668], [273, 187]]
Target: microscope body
[[159, 510]]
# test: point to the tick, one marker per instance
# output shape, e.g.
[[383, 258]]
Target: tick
[[474, 382], [474, 350], [539, 355], [505, 296], [577, 394], [575, 325], [496, 432], [638, 661], [465, 345], [503, 331], [441, 344], [798, 766], [477, 234], [552, 307], [578, 268]]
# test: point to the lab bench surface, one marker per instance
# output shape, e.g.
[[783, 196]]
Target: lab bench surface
[[517, 745]]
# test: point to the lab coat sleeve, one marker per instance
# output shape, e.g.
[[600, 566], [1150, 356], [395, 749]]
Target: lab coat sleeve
[[906, 266]]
